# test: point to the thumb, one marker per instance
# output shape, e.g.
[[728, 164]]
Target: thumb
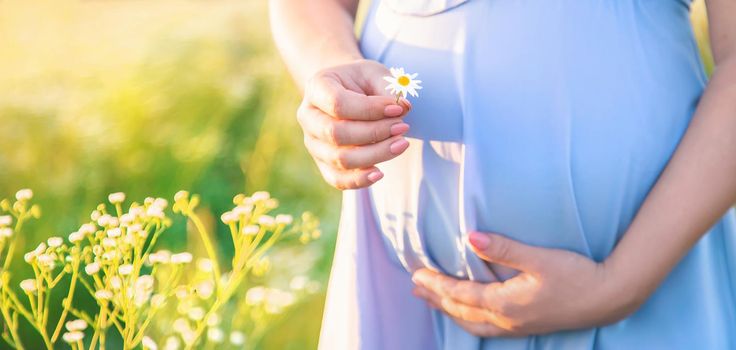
[[507, 252], [376, 85]]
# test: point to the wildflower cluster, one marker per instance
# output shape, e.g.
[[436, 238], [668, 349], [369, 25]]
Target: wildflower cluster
[[113, 258]]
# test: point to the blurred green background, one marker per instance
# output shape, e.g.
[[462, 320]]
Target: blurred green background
[[149, 97]]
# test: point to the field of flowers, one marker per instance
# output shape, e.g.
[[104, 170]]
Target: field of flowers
[[149, 98], [107, 110]]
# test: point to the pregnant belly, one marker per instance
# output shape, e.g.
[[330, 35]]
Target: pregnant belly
[[549, 129]]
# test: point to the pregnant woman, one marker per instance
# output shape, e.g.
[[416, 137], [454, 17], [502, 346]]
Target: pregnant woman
[[564, 180]]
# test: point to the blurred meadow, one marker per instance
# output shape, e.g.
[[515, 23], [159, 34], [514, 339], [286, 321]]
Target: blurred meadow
[[150, 97]]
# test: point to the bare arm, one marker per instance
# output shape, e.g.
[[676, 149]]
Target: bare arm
[[313, 35], [350, 123], [699, 183]]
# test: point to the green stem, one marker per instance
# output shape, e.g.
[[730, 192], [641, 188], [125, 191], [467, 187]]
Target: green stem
[[67, 302], [11, 248], [207, 246]]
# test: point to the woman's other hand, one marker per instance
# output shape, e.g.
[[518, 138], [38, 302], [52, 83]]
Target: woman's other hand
[[351, 124], [555, 290]]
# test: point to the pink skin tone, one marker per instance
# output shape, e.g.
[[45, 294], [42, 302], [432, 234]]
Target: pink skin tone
[[350, 125]]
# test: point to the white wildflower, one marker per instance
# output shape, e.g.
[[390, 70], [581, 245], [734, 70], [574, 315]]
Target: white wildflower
[[242, 210], [6, 220], [402, 84], [283, 219], [6, 232], [87, 229], [298, 282], [115, 282], [76, 325], [55, 242], [260, 196], [148, 343], [266, 220], [28, 286], [24, 194], [251, 230], [92, 268], [196, 313], [114, 232], [40, 249], [76, 236], [155, 212], [237, 338], [161, 256], [181, 258], [255, 295], [108, 242], [144, 283], [158, 300], [213, 320], [228, 218], [103, 294], [181, 325], [125, 269], [47, 261], [73, 337], [204, 265], [116, 198], [172, 343], [161, 203], [215, 335], [205, 289], [181, 195]]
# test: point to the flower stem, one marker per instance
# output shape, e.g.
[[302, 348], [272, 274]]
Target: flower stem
[[207, 246], [67, 302]]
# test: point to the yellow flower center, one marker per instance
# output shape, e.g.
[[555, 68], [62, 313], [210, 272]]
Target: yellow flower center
[[403, 80]]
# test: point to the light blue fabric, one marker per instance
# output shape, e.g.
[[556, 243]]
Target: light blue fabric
[[548, 122]]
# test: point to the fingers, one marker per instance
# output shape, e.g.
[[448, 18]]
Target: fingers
[[501, 250], [349, 179], [345, 158], [484, 330], [348, 132], [482, 295], [326, 92], [452, 307]]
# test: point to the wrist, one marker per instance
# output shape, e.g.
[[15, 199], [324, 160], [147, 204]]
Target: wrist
[[622, 292]]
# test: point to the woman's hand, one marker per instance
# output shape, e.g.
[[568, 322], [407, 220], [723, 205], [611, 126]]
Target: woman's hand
[[350, 123], [555, 290]]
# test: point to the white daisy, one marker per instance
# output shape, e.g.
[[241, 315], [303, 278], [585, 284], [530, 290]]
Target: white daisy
[[402, 84]]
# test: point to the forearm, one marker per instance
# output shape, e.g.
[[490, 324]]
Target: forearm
[[312, 35], [693, 192]]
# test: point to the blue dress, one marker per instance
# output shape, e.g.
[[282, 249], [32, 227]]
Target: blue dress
[[545, 121]]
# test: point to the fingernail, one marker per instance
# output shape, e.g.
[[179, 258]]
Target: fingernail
[[399, 146], [375, 176], [406, 103], [393, 111], [399, 128], [479, 240]]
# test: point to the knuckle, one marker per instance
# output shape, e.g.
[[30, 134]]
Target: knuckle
[[503, 308], [337, 105], [342, 159], [331, 133], [376, 135], [500, 248]]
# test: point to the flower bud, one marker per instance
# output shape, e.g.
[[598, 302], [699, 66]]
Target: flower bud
[[116, 198]]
